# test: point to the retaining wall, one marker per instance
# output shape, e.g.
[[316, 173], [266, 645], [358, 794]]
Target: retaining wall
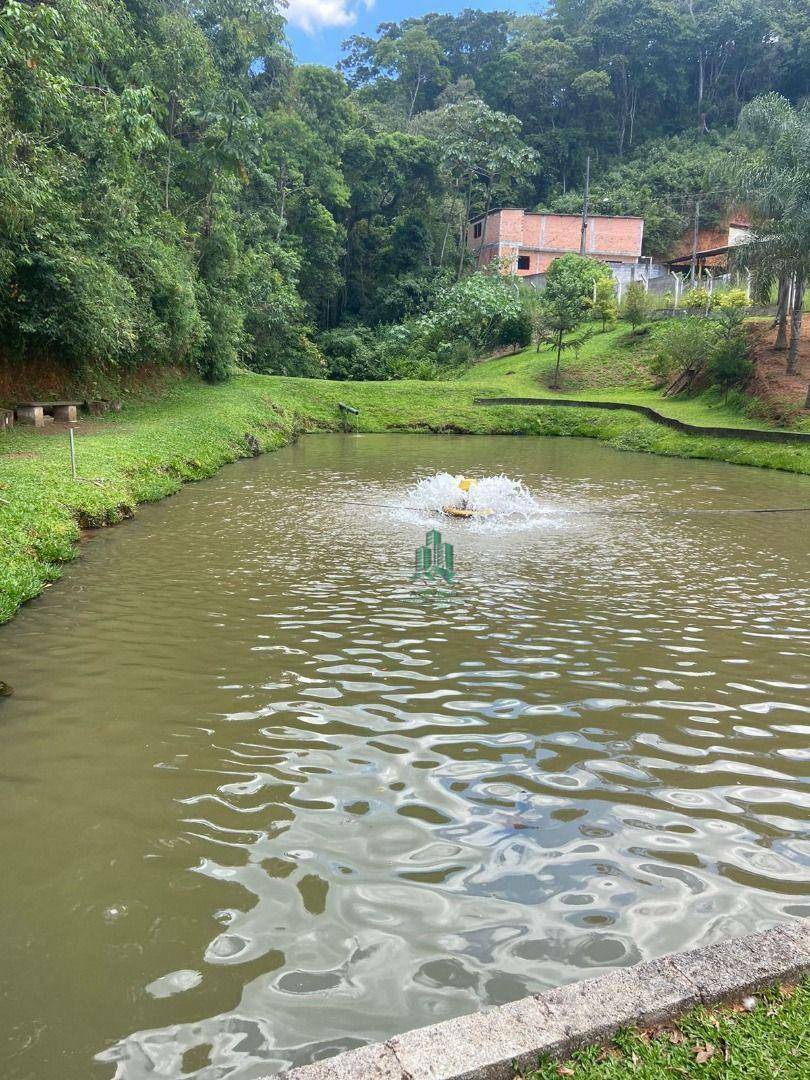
[[490, 1045], [748, 434]]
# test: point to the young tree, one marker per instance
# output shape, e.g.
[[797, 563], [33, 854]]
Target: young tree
[[580, 269], [604, 305], [563, 306], [636, 305]]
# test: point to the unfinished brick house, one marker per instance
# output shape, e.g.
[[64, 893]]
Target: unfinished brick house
[[531, 241]]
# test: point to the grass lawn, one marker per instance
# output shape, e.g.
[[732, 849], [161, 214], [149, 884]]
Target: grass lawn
[[152, 447], [771, 1041], [609, 367]]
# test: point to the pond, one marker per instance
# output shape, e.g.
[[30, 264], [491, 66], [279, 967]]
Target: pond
[[264, 799]]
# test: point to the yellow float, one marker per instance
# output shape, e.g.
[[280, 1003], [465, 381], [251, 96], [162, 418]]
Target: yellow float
[[465, 511]]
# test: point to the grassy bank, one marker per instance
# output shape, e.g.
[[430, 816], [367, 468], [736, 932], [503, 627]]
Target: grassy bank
[[150, 449], [610, 367], [773, 1040]]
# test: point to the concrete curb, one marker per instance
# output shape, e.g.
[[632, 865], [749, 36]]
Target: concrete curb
[[747, 434], [490, 1045]]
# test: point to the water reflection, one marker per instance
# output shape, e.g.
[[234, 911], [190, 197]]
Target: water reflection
[[316, 807]]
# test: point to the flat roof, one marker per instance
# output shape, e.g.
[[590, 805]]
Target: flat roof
[[556, 213]]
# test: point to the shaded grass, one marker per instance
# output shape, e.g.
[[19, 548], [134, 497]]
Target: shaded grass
[[772, 1041], [147, 451]]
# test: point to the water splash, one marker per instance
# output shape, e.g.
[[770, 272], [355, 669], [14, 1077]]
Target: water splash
[[510, 501]]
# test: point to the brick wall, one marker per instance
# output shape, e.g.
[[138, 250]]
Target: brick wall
[[510, 232]]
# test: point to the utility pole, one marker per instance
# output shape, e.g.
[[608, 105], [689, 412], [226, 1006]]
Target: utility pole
[[583, 234], [693, 264]]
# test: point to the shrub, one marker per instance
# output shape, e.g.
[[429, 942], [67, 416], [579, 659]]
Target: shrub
[[604, 304], [516, 330], [637, 304], [729, 364], [697, 300], [353, 353], [680, 345]]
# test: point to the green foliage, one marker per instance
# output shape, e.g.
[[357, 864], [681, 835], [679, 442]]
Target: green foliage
[[698, 299], [604, 305], [729, 364], [637, 304], [353, 353], [680, 345], [479, 310], [579, 272], [174, 189], [564, 303]]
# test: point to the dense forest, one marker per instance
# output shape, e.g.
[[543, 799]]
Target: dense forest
[[174, 188]]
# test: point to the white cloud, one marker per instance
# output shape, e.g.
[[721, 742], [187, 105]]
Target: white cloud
[[313, 15]]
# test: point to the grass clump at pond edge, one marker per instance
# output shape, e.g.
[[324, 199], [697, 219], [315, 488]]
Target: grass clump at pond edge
[[150, 449], [772, 1040]]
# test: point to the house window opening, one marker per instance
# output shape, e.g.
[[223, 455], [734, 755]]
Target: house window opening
[[523, 262], [478, 228]]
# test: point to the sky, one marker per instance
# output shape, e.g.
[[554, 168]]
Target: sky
[[316, 28]]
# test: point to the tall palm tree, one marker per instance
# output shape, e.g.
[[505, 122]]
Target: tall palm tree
[[770, 175]]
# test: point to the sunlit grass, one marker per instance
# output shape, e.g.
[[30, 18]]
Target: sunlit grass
[[773, 1040]]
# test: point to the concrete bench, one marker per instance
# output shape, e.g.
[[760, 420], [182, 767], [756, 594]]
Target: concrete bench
[[34, 412], [6, 419]]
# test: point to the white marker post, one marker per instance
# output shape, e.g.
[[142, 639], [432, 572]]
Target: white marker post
[[72, 454]]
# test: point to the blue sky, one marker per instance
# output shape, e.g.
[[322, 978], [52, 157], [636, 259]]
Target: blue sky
[[316, 28]]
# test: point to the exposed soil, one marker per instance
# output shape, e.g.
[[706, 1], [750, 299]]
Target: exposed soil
[[770, 382], [43, 378]]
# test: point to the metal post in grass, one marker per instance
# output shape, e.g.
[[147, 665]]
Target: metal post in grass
[[348, 410], [72, 454]]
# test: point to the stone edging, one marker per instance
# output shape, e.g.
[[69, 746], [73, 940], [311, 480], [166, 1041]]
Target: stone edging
[[490, 1045], [747, 434]]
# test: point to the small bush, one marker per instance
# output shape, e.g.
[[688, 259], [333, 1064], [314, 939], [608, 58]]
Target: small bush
[[729, 364], [680, 345], [697, 300], [637, 304]]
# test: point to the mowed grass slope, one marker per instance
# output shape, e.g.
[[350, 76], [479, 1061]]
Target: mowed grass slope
[[609, 366], [151, 448]]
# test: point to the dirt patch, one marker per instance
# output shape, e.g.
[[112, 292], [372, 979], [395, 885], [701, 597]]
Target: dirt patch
[[44, 378], [770, 381]]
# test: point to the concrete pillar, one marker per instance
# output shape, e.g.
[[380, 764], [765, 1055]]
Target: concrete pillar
[[66, 413], [31, 414]]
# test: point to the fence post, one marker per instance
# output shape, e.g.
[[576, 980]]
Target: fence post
[[72, 454]]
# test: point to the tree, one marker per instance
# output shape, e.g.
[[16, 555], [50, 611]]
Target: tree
[[579, 271], [563, 305], [415, 58], [637, 304], [772, 175], [478, 146], [604, 305]]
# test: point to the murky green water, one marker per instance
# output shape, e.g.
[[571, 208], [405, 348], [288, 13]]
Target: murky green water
[[261, 801]]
